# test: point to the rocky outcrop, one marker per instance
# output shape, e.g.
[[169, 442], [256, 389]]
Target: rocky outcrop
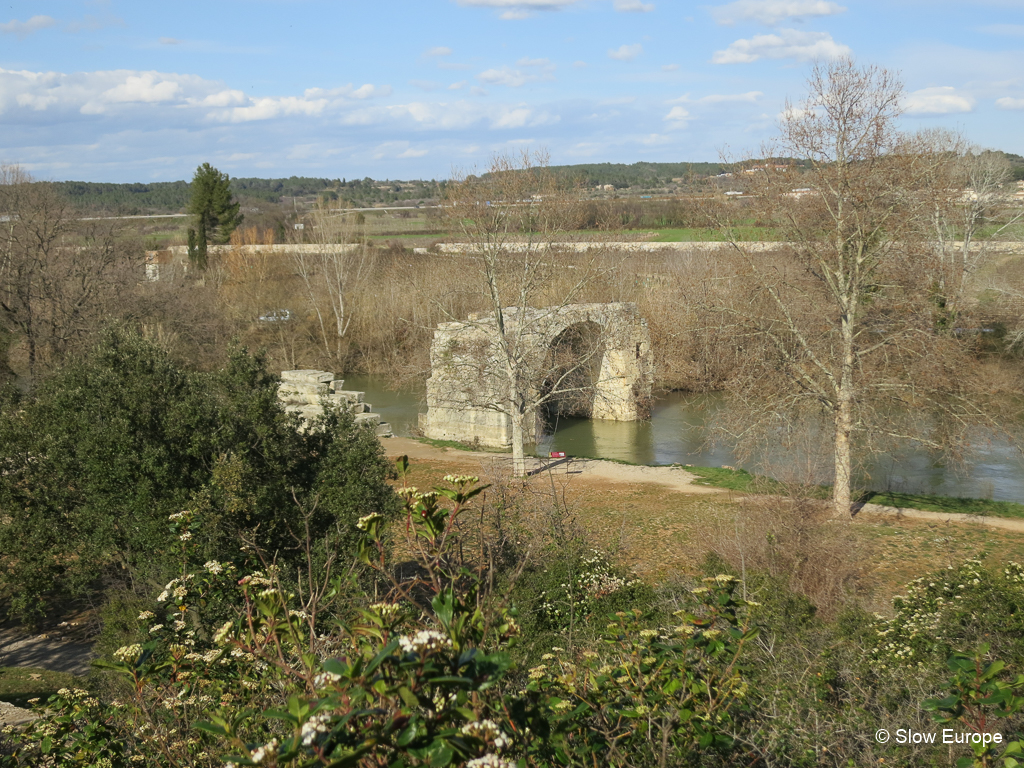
[[306, 391]]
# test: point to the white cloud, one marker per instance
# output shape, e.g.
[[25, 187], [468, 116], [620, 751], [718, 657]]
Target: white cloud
[[410, 152], [365, 91], [518, 117], [786, 44], [541, 69], [457, 86], [425, 85], [677, 117], [441, 50], [626, 52], [512, 118], [1007, 103], [518, 9], [942, 100], [23, 29], [147, 87], [633, 6], [669, 67], [170, 41], [580, 64], [269, 108], [226, 98], [772, 12]]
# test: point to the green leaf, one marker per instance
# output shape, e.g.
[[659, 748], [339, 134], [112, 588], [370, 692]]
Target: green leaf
[[408, 697], [442, 756]]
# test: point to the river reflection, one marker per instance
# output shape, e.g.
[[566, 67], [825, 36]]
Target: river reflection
[[674, 436]]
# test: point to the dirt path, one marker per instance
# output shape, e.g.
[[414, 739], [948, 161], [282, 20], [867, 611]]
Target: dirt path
[[1005, 523], [675, 478]]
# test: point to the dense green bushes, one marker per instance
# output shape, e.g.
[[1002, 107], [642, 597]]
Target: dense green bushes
[[95, 462]]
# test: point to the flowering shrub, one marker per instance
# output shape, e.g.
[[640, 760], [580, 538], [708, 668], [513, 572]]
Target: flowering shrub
[[237, 668], [585, 583], [651, 695], [943, 610]]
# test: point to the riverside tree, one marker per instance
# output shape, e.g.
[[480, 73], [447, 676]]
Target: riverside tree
[[842, 321], [517, 225], [216, 214]]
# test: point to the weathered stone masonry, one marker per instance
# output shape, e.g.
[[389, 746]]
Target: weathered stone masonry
[[465, 378], [301, 392]]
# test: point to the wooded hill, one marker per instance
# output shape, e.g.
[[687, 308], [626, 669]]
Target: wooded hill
[[173, 196]]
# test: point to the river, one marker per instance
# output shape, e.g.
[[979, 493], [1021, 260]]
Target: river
[[674, 435]]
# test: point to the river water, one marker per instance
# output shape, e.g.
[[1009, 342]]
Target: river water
[[674, 435]]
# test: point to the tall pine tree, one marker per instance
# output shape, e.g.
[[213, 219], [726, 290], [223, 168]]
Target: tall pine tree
[[215, 214]]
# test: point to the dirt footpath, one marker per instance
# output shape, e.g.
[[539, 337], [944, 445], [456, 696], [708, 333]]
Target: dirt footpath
[[675, 478]]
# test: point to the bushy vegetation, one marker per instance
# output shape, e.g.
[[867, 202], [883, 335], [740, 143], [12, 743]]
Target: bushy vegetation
[[99, 457], [414, 647]]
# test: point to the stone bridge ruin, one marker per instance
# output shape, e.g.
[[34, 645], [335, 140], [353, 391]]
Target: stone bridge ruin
[[594, 360]]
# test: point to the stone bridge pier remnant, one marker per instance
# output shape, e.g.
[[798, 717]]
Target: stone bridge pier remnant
[[591, 360]]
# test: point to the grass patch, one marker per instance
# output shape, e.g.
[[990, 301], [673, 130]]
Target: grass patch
[[456, 445], [742, 481], [951, 504], [19, 684]]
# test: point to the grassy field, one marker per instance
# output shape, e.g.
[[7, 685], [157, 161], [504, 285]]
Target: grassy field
[[742, 481], [662, 534], [19, 684]]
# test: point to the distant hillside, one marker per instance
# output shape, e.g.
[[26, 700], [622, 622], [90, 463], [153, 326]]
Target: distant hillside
[[641, 174], [173, 196]]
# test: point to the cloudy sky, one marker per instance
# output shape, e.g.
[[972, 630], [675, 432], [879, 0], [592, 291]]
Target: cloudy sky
[[111, 90]]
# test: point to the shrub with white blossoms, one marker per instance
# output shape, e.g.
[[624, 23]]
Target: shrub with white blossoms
[[941, 612]]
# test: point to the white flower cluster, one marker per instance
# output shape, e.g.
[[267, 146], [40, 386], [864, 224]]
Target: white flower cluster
[[183, 515], [325, 678], [461, 479], [267, 752], [918, 620], [129, 654], [213, 567], [424, 641], [146, 615], [487, 731], [317, 724], [364, 522], [490, 761]]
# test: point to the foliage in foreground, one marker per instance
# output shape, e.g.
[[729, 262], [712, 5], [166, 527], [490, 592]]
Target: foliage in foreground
[[109, 447], [420, 678]]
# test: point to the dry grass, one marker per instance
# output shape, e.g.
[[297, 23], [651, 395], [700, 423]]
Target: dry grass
[[661, 533]]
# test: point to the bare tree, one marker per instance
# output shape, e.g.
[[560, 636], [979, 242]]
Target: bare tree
[[59, 277], [338, 267], [971, 218], [839, 321], [518, 230]]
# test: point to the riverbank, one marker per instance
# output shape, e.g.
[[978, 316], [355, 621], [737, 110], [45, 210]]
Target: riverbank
[[720, 480]]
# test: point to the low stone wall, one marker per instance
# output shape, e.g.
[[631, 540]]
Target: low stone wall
[[304, 392]]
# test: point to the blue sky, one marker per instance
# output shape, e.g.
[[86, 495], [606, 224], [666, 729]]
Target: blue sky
[[107, 90]]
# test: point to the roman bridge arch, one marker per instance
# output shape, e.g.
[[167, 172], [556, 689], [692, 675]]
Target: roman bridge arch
[[589, 360]]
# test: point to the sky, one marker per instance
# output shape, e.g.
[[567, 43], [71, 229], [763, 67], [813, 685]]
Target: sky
[[111, 90]]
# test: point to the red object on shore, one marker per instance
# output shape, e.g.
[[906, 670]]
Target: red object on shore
[[557, 455]]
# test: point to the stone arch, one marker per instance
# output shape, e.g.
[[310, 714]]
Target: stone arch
[[464, 384]]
